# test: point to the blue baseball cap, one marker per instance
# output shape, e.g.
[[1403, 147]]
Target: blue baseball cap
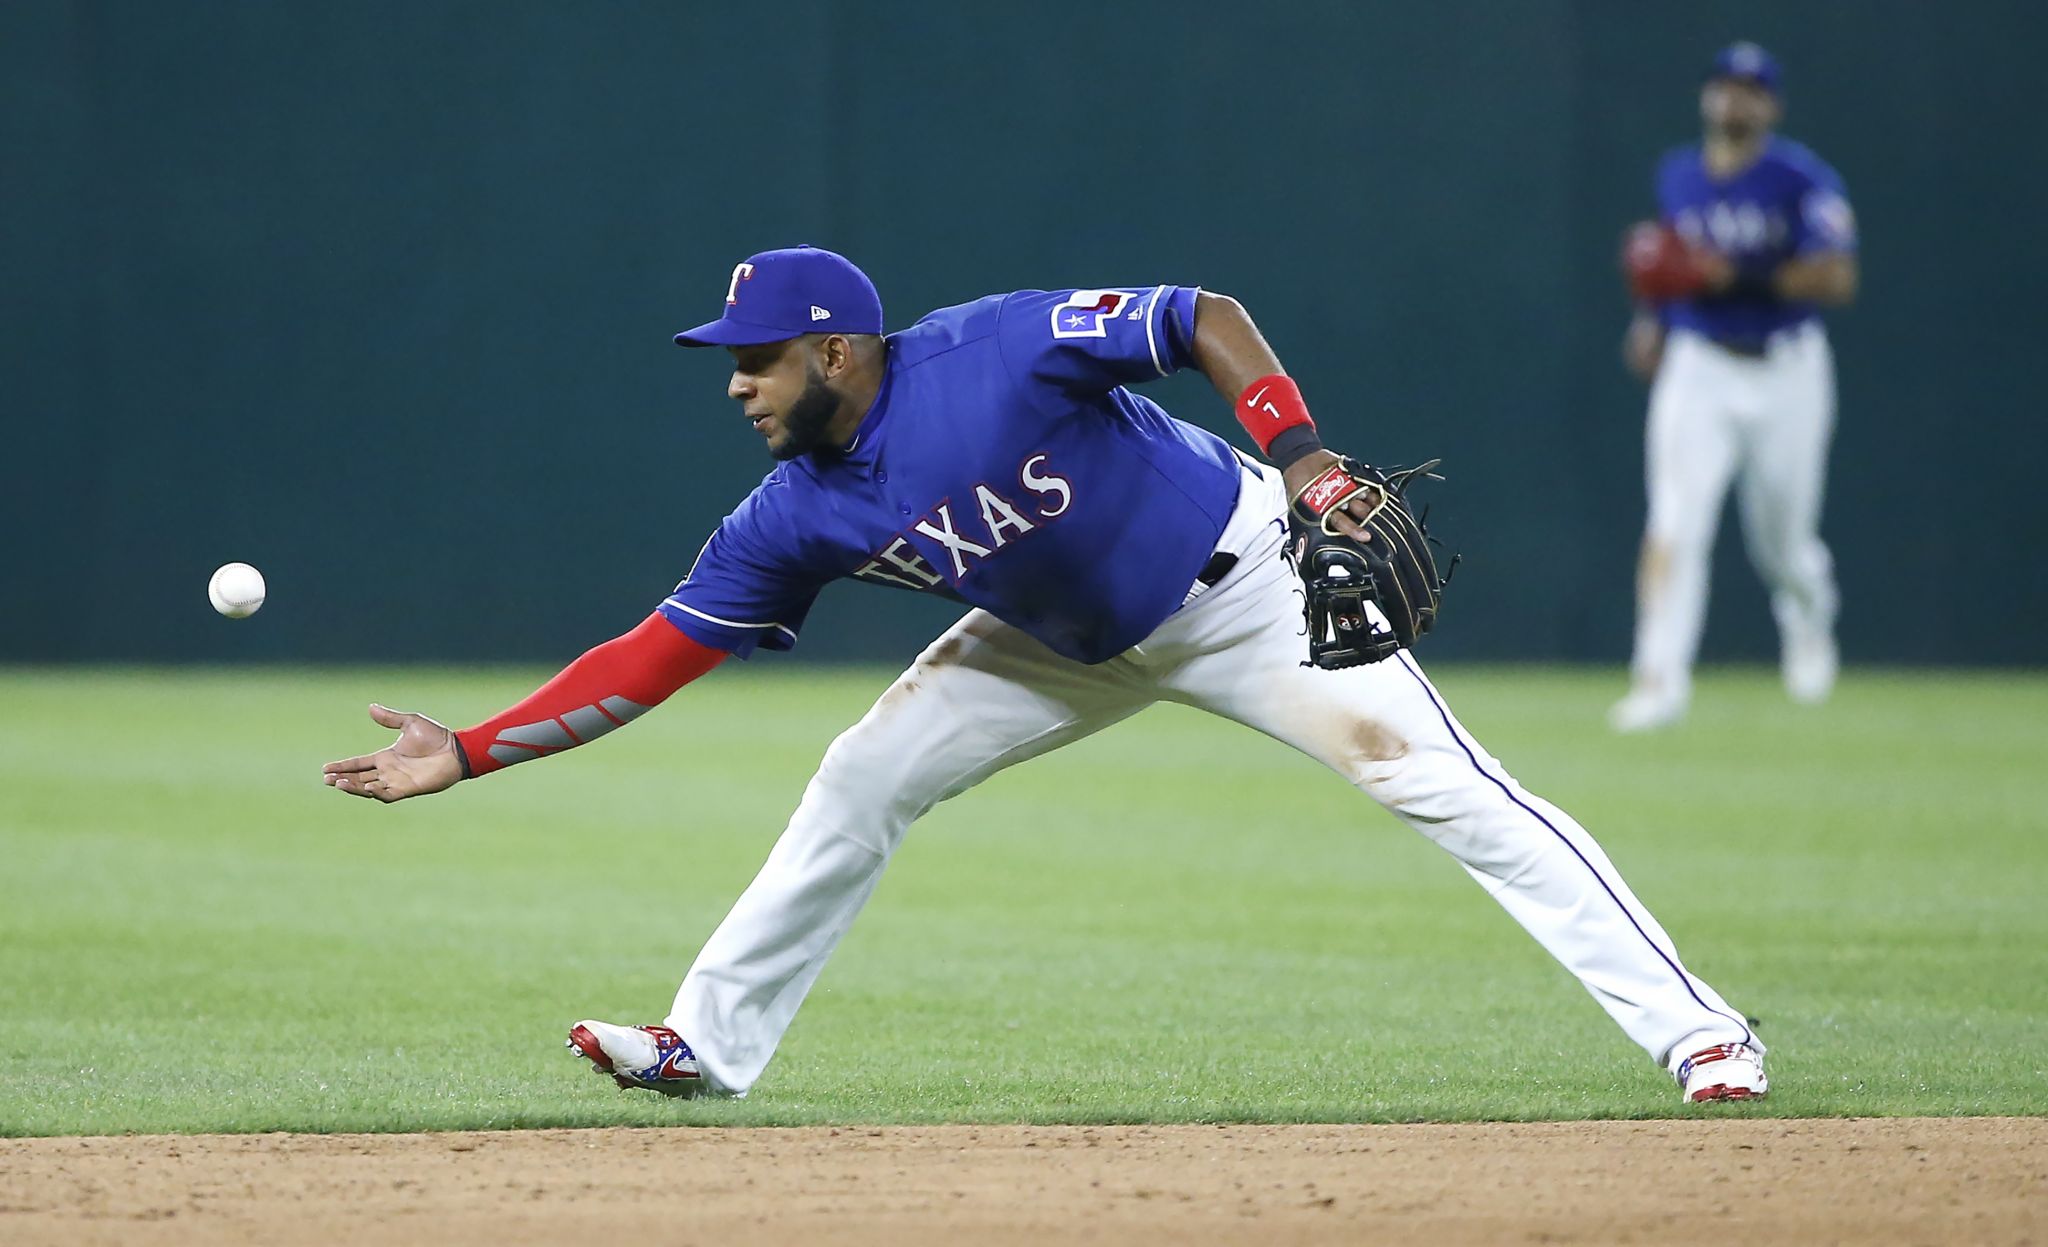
[[778, 295], [1749, 63]]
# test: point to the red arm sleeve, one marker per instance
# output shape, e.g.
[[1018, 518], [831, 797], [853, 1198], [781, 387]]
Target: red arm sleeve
[[608, 687]]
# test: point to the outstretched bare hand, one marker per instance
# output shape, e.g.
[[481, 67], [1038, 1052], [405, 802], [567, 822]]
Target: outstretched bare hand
[[420, 761]]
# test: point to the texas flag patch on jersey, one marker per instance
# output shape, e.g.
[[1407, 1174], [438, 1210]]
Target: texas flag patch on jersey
[[1829, 218], [1087, 313]]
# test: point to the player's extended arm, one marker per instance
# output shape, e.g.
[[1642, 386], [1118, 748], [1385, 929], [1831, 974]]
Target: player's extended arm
[[608, 687], [1829, 278], [1233, 354], [1825, 277]]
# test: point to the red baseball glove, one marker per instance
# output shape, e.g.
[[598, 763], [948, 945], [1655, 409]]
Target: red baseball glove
[[1659, 264]]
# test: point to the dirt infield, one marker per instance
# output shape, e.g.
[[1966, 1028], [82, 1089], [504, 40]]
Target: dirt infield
[[1724, 1181]]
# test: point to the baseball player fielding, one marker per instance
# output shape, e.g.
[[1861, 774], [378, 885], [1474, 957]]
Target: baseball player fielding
[[1109, 556]]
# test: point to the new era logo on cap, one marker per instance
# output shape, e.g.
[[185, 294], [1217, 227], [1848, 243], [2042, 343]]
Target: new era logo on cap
[[778, 295]]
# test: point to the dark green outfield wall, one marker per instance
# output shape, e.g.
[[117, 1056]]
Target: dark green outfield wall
[[378, 296]]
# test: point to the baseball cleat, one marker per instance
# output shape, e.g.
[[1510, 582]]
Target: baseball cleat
[[1729, 1071], [1809, 662], [1645, 711], [652, 1058]]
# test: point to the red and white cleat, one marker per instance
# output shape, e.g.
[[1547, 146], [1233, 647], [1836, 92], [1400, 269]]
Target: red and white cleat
[[651, 1058], [1729, 1071]]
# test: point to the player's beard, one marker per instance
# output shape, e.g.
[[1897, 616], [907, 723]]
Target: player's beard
[[803, 427], [1737, 130]]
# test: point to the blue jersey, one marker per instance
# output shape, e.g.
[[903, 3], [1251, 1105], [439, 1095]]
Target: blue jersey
[[1788, 203], [1004, 464]]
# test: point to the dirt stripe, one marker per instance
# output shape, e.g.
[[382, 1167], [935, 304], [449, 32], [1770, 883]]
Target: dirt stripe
[[1721, 1181]]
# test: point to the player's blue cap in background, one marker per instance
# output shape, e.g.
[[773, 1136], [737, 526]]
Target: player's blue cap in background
[[778, 295], [1747, 62]]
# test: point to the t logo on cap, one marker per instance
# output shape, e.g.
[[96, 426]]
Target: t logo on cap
[[740, 272], [788, 292]]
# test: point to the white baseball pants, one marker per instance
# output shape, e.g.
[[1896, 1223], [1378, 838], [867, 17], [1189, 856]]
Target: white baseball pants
[[1715, 416], [985, 696]]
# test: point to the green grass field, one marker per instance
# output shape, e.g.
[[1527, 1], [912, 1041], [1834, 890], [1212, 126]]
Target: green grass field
[[1175, 921]]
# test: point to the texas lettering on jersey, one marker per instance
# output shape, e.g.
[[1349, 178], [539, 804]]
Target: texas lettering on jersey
[[1732, 228], [1002, 522]]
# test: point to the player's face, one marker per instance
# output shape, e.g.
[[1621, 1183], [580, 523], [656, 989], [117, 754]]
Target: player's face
[[783, 392], [1737, 108]]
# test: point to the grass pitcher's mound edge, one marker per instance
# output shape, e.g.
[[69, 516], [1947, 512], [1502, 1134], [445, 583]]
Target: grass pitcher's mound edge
[[1720, 1179]]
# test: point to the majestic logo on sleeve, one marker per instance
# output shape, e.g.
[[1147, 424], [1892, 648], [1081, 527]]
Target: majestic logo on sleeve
[[1087, 313], [969, 530]]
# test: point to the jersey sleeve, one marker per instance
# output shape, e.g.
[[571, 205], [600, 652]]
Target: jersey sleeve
[[1665, 185], [1091, 341], [1824, 220], [744, 591]]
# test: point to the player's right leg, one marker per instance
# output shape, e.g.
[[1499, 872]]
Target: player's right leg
[[1689, 458], [1783, 478], [982, 697], [1388, 731]]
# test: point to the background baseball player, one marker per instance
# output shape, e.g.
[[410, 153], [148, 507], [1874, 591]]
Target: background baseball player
[[1113, 557], [1755, 237]]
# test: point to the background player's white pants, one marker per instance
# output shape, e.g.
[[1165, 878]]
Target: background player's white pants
[[1714, 415], [985, 696]]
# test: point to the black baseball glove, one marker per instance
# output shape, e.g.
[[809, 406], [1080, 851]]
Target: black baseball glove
[[1395, 571]]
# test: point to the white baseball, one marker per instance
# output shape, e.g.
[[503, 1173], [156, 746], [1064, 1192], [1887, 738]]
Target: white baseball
[[236, 590]]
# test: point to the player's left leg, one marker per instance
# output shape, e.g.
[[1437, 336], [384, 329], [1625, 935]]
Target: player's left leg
[[1388, 731], [1784, 476]]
